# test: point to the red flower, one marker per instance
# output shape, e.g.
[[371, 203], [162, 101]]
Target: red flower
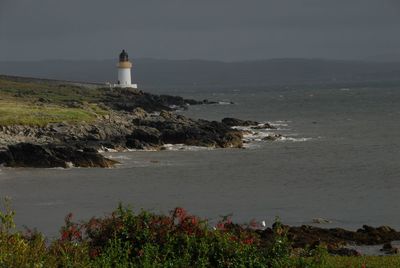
[[248, 241], [64, 235], [194, 220], [94, 253], [221, 226], [180, 213]]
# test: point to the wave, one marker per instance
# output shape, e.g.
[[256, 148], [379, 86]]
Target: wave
[[225, 102], [293, 139], [119, 157], [141, 150], [257, 134], [106, 150], [280, 123], [183, 147]]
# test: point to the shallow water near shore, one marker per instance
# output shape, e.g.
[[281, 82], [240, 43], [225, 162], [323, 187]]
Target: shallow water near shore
[[339, 161]]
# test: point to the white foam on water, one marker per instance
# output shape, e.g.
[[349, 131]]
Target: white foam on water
[[106, 150], [280, 123], [70, 164], [121, 157], [252, 135], [183, 147], [141, 150], [242, 128], [257, 135], [224, 103], [293, 139], [175, 107]]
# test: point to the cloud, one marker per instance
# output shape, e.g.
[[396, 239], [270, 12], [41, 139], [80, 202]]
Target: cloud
[[223, 29]]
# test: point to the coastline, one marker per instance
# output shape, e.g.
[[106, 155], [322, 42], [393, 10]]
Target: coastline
[[125, 119]]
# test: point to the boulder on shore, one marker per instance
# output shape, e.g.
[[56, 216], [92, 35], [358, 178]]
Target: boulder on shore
[[50, 156], [336, 238], [234, 122], [169, 128]]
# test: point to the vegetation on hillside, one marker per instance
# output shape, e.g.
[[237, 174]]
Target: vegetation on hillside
[[33, 103], [128, 239]]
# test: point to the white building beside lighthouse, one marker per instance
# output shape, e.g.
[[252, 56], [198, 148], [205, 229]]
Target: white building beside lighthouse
[[124, 72]]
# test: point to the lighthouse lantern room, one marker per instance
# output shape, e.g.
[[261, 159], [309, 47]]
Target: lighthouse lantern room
[[124, 71]]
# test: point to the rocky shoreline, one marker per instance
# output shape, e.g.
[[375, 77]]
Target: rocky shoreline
[[135, 120], [337, 240]]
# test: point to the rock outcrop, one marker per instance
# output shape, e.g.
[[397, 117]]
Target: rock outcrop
[[133, 120], [130, 99], [234, 122], [49, 156], [64, 144], [335, 238]]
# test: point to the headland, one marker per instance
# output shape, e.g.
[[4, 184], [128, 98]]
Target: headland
[[46, 123]]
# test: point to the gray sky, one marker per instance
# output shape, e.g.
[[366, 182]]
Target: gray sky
[[202, 29]]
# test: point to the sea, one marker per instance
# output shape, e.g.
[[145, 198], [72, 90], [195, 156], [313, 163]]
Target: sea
[[338, 160]]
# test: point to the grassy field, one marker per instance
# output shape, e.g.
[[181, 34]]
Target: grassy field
[[40, 103], [17, 113]]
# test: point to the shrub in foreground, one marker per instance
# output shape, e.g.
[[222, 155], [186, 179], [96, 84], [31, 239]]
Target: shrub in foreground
[[127, 239]]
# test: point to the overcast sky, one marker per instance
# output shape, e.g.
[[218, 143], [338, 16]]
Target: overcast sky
[[202, 29]]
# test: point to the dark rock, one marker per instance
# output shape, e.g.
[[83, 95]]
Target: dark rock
[[86, 158], [5, 157], [49, 156], [264, 126], [135, 144], [145, 134], [232, 122], [272, 137], [130, 99], [139, 113], [30, 155], [389, 248], [308, 235], [166, 115], [348, 252], [177, 129]]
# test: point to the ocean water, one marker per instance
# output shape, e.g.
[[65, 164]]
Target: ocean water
[[339, 161]]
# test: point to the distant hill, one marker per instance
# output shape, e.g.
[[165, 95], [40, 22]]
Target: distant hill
[[384, 58], [157, 73]]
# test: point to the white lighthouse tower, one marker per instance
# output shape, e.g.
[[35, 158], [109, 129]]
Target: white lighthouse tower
[[124, 71]]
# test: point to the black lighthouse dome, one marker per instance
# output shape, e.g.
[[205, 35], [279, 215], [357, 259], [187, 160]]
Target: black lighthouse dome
[[123, 56]]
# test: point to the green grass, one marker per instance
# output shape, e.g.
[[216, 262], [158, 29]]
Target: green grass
[[368, 261], [16, 113], [40, 103], [52, 92]]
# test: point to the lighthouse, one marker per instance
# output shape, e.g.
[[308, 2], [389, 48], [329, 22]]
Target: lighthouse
[[124, 71]]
